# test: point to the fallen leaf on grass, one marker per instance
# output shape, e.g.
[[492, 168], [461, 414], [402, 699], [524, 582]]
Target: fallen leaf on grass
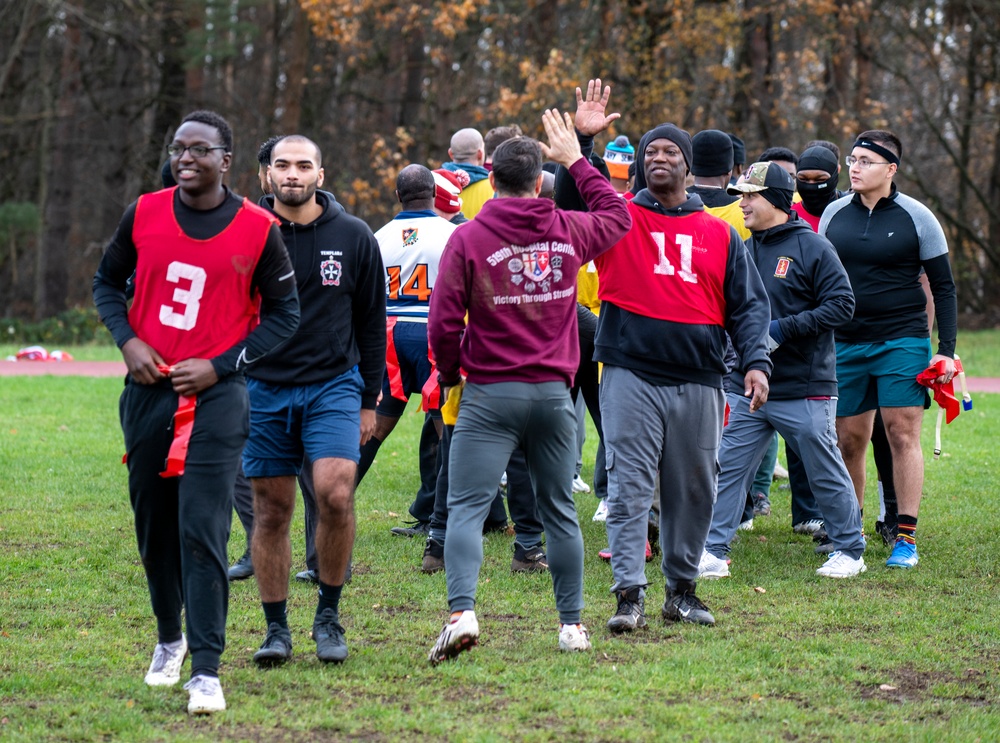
[[63, 428], [392, 514], [755, 697], [887, 687], [758, 589], [761, 538], [130, 703]]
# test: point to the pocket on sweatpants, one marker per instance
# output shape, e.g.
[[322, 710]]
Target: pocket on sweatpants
[[710, 426]]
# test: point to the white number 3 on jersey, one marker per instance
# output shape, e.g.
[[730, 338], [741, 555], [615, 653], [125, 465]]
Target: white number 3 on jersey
[[189, 299], [664, 267]]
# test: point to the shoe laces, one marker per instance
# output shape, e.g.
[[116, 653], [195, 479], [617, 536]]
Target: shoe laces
[[688, 598], [207, 685], [164, 652], [627, 606]]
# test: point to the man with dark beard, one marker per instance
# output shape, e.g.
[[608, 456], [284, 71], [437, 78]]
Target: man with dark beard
[[317, 397]]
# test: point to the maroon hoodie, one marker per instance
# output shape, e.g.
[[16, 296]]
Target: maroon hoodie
[[513, 271]]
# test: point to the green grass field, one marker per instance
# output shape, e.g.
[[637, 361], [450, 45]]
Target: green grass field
[[980, 351], [895, 656]]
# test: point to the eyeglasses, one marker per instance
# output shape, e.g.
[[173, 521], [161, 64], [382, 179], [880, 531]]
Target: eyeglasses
[[863, 162], [196, 150]]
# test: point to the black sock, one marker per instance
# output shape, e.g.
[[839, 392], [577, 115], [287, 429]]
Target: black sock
[[276, 612], [329, 598], [368, 453]]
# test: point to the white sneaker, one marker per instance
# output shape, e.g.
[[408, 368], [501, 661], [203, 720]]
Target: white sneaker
[[461, 633], [205, 695], [573, 637], [808, 527], [168, 657], [711, 566], [579, 486], [780, 473], [745, 526], [601, 514], [839, 565]]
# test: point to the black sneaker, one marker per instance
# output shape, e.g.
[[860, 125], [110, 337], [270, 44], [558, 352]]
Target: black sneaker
[[761, 504], [276, 648], [331, 647], [824, 546], [433, 561], [531, 560], [683, 606], [412, 529], [631, 611], [242, 568], [888, 532]]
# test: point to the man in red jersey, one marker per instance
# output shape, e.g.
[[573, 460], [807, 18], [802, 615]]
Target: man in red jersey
[[204, 260], [670, 290]]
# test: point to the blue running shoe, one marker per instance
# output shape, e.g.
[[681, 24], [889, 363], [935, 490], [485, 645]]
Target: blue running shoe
[[904, 555]]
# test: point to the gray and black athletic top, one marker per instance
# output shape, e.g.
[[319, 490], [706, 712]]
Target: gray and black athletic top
[[884, 250]]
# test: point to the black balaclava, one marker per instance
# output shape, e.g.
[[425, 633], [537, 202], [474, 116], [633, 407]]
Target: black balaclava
[[817, 196]]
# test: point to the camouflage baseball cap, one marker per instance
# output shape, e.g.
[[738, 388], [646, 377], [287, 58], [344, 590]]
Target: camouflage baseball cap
[[760, 177]]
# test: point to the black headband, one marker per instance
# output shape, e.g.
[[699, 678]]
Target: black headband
[[878, 149]]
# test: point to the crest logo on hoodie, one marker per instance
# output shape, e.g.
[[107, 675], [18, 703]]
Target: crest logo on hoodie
[[781, 270], [331, 271], [536, 265]]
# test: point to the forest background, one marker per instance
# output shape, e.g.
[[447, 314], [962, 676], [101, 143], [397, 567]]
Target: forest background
[[90, 92]]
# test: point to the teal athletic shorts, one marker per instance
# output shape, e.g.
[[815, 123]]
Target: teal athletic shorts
[[881, 375]]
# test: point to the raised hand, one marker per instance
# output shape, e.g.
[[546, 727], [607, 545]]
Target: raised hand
[[563, 146], [590, 116]]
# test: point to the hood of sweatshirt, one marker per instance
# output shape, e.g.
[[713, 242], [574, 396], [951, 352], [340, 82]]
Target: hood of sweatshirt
[[693, 204], [517, 221], [331, 209], [783, 231], [476, 172]]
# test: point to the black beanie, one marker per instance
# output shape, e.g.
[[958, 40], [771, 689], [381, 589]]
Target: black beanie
[[712, 153], [664, 131], [739, 150], [818, 157]]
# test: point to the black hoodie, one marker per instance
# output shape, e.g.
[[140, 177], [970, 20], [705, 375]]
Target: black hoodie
[[341, 284], [810, 296]]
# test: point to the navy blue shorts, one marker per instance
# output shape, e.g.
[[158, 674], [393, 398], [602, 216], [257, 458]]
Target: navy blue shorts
[[408, 369], [319, 421]]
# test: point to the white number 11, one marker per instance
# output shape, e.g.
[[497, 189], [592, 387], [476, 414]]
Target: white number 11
[[665, 267]]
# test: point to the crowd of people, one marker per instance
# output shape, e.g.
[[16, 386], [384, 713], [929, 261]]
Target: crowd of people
[[696, 305]]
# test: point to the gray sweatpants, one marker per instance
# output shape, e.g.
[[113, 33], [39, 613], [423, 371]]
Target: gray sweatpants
[[656, 434], [493, 420], [809, 426]]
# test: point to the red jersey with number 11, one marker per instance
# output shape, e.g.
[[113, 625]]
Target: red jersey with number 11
[[192, 297], [668, 267]]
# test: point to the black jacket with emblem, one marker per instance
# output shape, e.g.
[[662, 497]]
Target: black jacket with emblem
[[810, 296], [341, 284]]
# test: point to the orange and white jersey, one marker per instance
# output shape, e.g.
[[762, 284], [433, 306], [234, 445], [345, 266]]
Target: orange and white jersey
[[411, 246]]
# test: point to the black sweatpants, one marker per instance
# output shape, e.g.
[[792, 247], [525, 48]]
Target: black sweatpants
[[182, 523]]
